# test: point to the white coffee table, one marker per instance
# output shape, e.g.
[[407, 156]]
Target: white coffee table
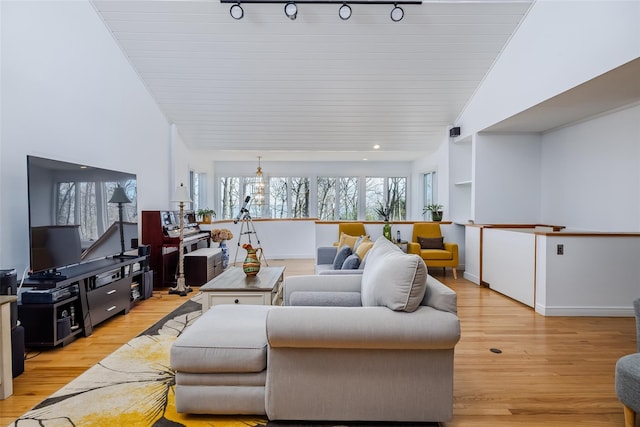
[[234, 287]]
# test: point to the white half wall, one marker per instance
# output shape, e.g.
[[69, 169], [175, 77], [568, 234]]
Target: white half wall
[[596, 276]]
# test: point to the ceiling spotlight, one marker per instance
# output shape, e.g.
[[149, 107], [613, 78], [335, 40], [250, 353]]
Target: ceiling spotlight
[[236, 11], [397, 13], [344, 12], [291, 10]]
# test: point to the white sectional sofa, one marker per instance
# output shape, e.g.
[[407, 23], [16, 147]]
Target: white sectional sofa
[[383, 352]]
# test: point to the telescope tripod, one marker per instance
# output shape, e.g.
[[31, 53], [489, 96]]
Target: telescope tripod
[[248, 229]]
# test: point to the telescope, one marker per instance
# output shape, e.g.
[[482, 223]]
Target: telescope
[[243, 209]]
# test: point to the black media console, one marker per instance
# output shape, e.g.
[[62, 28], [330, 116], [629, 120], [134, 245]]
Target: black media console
[[55, 312]]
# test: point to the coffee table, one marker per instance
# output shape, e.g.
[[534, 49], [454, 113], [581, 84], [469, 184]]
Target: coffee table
[[234, 287]]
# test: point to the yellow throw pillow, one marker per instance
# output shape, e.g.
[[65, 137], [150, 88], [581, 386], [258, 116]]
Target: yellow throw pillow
[[363, 248], [345, 239]]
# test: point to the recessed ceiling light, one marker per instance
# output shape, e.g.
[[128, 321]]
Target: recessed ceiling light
[[365, 159], [376, 147]]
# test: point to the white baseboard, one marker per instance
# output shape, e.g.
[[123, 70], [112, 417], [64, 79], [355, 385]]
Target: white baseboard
[[472, 278], [586, 311]]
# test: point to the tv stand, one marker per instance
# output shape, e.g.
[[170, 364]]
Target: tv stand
[[50, 276], [104, 290]]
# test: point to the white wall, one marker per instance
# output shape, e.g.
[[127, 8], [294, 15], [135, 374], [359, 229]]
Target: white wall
[[591, 173], [68, 93], [559, 45], [507, 178]]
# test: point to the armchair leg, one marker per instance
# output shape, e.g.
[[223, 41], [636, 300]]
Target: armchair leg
[[455, 273], [629, 417]]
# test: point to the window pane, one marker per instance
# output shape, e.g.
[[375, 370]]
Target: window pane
[[230, 197], [248, 189], [397, 197], [374, 198], [326, 198], [348, 198], [300, 197], [278, 197]]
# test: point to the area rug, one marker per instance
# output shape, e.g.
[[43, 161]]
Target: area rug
[[134, 387]]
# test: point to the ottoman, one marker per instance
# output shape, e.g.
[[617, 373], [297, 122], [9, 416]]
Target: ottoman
[[220, 362]]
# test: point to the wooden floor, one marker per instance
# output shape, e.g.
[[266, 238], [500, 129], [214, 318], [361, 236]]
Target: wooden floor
[[553, 371]]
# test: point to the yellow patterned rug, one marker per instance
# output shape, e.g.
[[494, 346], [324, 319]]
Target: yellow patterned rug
[[133, 387]]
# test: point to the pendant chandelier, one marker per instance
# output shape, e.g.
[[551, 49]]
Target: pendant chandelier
[[259, 187]]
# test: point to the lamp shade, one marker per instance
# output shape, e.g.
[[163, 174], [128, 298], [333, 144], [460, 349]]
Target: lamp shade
[[119, 196], [181, 194]]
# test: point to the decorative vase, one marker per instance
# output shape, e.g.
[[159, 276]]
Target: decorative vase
[[251, 264], [225, 254], [386, 230]]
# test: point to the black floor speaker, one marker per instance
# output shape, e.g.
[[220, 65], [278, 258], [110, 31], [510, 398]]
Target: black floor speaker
[[17, 350]]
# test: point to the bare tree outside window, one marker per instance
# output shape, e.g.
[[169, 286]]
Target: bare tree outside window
[[278, 197], [348, 198], [386, 191], [374, 197], [326, 198], [300, 197], [230, 196]]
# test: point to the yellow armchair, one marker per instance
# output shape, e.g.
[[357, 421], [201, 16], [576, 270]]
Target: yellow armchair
[[445, 257], [350, 228]]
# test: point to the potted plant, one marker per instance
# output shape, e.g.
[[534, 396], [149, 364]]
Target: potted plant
[[384, 212], [206, 215], [436, 211]]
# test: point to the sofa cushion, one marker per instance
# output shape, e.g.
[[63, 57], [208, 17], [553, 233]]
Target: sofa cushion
[[363, 248], [226, 338], [351, 263], [431, 254], [431, 242], [341, 256], [348, 240], [392, 278], [325, 299]]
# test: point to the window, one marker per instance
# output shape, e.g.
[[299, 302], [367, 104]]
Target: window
[[430, 196], [337, 198], [198, 190], [230, 197], [289, 197], [386, 191]]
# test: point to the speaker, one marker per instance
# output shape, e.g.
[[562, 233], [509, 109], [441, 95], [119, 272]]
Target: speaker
[[454, 132], [17, 350], [9, 286]]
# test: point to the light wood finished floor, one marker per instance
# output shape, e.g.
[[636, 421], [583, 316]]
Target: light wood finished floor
[[553, 371]]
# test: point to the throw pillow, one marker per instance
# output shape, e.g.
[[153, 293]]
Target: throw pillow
[[361, 239], [393, 279], [351, 263], [345, 239], [341, 256], [363, 248], [431, 242]]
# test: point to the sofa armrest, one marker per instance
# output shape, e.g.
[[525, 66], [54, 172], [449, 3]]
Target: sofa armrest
[[440, 296], [324, 283], [326, 254], [339, 272], [361, 328]]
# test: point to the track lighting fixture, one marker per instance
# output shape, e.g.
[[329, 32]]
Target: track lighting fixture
[[344, 12], [291, 10], [397, 13], [236, 11]]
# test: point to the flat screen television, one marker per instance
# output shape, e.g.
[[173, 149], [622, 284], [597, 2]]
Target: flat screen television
[[70, 218]]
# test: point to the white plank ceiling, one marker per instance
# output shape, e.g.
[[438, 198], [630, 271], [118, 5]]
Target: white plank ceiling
[[315, 88]]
